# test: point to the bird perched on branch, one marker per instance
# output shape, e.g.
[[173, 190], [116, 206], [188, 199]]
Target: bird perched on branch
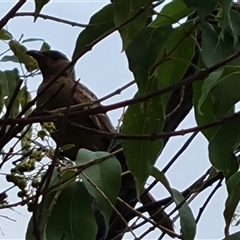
[[60, 94], [64, 92]]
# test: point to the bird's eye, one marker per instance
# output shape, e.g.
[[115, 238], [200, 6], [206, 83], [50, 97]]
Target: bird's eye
[[55, 57]]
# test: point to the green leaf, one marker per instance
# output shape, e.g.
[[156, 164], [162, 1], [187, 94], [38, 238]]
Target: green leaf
[[225, 94], [206, 114], [24, 98], [50, 201], [140, 119], [172, 13], [66, 175], [202, 8], [26, 136], [5, 35], [233, 188], [74, 209], [207, 86], [13, 79], [222, 86], [220, 49], [160, 176], [147, 118], [20, 51], [106, 176], [32, 40], [12, 58], [180, 53], [66, 147], [101, 22], [235, 28], [1, 97], [4, 84], [221, 147], [8, 82], [226, 6], [45, 46], [150, 41], [187, 220], [39, 4], [125, 10]]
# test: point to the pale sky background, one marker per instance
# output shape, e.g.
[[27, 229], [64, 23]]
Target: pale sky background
[[103, 70]]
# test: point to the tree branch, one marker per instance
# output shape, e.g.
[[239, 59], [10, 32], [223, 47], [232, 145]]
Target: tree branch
[[11, 13], [44, 16]]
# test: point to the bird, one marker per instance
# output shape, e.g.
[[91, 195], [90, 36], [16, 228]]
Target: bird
[[50, 63], [60, 94]]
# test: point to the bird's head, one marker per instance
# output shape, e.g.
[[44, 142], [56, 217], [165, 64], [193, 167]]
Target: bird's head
[[50, 62]]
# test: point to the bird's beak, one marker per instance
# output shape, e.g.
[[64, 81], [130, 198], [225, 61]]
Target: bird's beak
[[35, 54]]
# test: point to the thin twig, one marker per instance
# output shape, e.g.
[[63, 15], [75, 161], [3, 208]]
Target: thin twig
[[168, 54], [152, 137], [178, 105], [10, 105], [108, 201], [8, 218], [11, 150], [180, 151], [208, 200], [149, 137], [44, 16], [10, 14], [197, 186], [170, 163], [139, 214]]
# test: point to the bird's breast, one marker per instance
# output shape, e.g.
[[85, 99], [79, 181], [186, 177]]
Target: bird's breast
[[58, 95]]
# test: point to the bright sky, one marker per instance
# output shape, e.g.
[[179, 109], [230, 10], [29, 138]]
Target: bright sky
[[103, 70]]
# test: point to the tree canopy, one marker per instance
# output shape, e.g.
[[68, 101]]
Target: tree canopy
[[184, 55]]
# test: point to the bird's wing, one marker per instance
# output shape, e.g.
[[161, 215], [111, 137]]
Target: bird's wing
[[101, 121]]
